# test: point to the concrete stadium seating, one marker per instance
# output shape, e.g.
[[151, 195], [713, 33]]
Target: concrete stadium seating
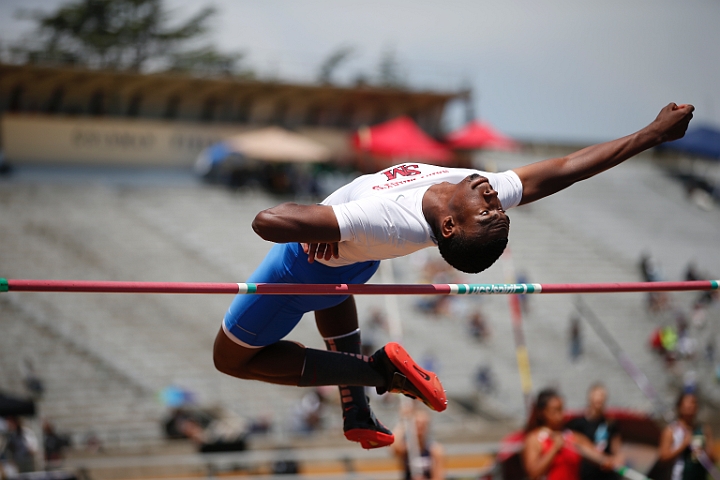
[[104, 358]]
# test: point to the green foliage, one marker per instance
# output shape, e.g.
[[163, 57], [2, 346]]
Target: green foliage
[[117, 34], [332, 62], [208, 61], [390, 74]]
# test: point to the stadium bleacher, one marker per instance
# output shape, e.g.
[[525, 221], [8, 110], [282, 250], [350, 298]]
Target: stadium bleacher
[[104, 358]]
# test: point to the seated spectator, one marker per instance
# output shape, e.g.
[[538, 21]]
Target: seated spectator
[[477, 326], [374, 332], [308, 412], [21, 445], [601, 431], [484, 380], [575, 338], [685, 441], [429, 463], [54, 445]]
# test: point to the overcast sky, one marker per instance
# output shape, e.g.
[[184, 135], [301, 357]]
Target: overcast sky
[[554, 69]]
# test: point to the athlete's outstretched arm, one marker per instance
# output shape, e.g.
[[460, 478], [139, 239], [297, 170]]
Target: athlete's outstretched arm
[[291, 222], [544, 178]]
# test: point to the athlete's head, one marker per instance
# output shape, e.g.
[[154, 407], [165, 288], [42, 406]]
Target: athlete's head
[[474, 233]]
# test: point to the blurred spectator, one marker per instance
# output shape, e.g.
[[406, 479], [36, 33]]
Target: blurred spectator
[[522, 277], [21, 445], [430, 460], [54, 444], [437, 271], [186, 423], [33, 383], [664, 342], [308, 412], [211, 432], [575, 338], [92, 443], [602, 432], [260, 425], [551, 453], [5, 168], [373, 333], [650, 271], [686, 346], [705, 298], [485, 380], [477, 326], [685, 440], [710, 350], [6, 468], [689, 380], [692, 273]]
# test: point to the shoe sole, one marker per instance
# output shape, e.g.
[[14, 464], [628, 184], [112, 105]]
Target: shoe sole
[[369, 439], [426, 382]]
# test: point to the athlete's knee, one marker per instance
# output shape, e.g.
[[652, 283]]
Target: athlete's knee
[[229, 358], [228, 363]]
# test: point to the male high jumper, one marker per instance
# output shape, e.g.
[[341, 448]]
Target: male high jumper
[[385, 215]]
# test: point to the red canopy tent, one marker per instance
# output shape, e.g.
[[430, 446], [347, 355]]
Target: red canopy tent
[[480, 135], [400, 139]]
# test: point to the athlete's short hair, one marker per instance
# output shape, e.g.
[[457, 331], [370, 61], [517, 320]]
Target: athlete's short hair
[[470, 254]]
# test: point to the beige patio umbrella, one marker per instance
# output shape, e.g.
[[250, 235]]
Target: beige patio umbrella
[[275, 144]]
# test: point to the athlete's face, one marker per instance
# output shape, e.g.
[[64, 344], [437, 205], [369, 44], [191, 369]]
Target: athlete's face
[[477, 209]]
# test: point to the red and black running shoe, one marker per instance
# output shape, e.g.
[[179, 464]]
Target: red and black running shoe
[[407, 377], [361, 425]]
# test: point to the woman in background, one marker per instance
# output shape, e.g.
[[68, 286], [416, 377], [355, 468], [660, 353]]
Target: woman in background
[[549, 451], [685, 440]]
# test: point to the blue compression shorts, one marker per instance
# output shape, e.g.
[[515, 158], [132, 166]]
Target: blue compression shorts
[[259, 320]]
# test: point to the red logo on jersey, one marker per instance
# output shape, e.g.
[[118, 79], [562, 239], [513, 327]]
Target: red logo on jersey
[[404, 170]]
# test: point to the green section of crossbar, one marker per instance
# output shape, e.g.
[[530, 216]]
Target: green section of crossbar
[[4, 285], [463, 289], [715, 284]]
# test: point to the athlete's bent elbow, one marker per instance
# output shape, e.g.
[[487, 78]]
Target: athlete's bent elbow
[[262, 225]]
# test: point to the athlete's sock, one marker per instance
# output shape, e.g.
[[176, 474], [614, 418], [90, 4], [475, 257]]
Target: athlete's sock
[[349, 343], [337, 368]]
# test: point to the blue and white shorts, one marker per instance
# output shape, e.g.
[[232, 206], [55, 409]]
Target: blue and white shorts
[[260, 320]]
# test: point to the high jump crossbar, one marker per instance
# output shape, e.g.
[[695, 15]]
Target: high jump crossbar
[[85, 286]]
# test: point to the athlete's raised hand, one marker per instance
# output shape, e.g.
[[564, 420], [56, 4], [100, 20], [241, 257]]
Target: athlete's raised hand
[[547, 177], [672, 121]]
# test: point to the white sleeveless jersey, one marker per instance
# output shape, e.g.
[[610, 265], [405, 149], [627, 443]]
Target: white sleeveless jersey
[[380, 215]]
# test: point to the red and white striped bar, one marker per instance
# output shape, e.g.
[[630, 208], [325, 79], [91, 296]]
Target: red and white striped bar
[[85, 286]]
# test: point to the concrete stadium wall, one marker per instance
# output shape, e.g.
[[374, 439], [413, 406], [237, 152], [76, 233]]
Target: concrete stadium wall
[[40, 139]]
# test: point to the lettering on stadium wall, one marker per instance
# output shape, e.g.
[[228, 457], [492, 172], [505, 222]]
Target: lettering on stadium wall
[[192, 142], [47, 139], [83, 138]]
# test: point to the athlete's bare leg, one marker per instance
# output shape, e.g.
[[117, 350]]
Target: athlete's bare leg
[[339, 327], [338, 320], [279, 363]]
